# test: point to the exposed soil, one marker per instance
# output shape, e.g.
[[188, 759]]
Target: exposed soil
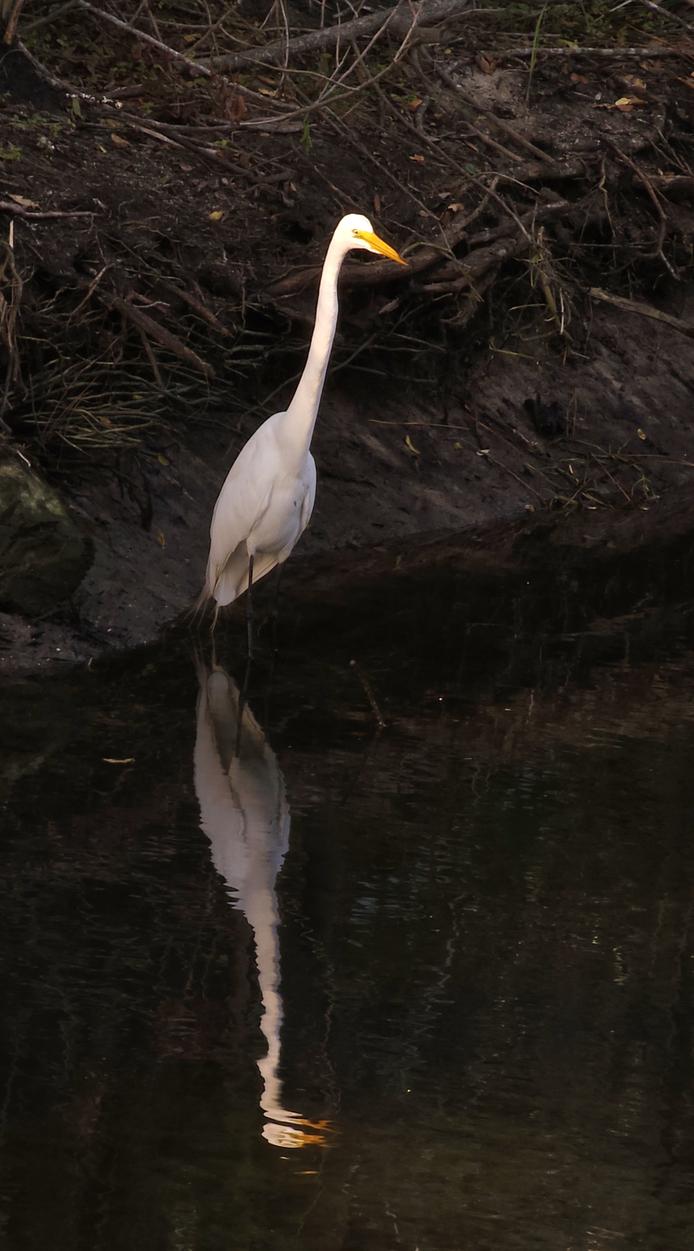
[[145, 338]]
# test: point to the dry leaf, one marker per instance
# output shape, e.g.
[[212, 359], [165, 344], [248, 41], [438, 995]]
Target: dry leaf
[[455, 207], [627, 102], [113, 760], [216, 215], [486, 63], [159, 536], [23, 201], [417, 156], [119, 141], [414, 103], [641, 433], [637, 83], [411, 447]]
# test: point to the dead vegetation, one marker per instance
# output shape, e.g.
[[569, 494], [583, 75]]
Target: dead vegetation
[[171, 171]]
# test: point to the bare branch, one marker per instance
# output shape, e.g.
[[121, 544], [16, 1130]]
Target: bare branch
[[499, 122], [398, 20], [19, 211], [674, 17], [53, 16], [153, 330], [167, 51], [526, 54], [15, 8]]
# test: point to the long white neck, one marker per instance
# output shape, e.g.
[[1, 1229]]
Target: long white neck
[[303, 408]]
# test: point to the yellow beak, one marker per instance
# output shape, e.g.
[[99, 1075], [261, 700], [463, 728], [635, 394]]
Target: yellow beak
[[378, 244]]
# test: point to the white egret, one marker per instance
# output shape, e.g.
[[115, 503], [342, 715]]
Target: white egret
[[267, 498]]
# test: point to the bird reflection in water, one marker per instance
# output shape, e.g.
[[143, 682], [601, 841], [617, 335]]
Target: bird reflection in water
[[245, 815]]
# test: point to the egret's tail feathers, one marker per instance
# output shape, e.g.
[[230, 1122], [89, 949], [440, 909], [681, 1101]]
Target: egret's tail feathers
[[194, 615], [233, 580]]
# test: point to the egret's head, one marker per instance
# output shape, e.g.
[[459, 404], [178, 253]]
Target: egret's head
[[357, 232]]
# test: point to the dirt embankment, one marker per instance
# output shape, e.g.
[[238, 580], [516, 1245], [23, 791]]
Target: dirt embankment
[[162, 226]]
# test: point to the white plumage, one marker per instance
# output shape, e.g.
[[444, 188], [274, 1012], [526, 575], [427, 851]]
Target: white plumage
[[267, 499]]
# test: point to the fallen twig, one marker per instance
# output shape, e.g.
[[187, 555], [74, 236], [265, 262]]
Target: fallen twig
[[499, 122], [674, 17], [196, 304], [398, 20], [581, 50], [152, 329], [11, 16], [6, 206], [673, 184], [655, 201], [9, 312], [163, 48], [368, 691], [645, 310], [30, 27], [334, 95]]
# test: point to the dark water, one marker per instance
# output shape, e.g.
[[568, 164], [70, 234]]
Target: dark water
[[426, 989]]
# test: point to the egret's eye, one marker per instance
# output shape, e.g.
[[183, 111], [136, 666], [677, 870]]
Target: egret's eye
[[355, 233]]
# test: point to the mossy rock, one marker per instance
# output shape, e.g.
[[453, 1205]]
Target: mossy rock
[[43, 553]]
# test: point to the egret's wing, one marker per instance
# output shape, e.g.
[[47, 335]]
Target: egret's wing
[[233, 580], [310, 497], [242, 500]]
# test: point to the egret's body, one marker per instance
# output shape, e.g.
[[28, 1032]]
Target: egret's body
[[267, 499]]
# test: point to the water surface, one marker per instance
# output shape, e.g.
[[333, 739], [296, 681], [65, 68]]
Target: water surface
[[429, 988]]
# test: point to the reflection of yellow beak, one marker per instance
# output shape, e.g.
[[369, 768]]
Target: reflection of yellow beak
[[378, 244], [281, 1134]]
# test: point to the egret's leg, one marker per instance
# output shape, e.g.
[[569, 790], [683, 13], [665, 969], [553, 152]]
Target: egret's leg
[[249, 655], [278, 583], [276, 610], [249, 609], [275, 646]]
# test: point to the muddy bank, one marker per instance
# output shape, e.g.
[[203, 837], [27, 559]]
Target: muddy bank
[[159, 277], [473, 482]]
